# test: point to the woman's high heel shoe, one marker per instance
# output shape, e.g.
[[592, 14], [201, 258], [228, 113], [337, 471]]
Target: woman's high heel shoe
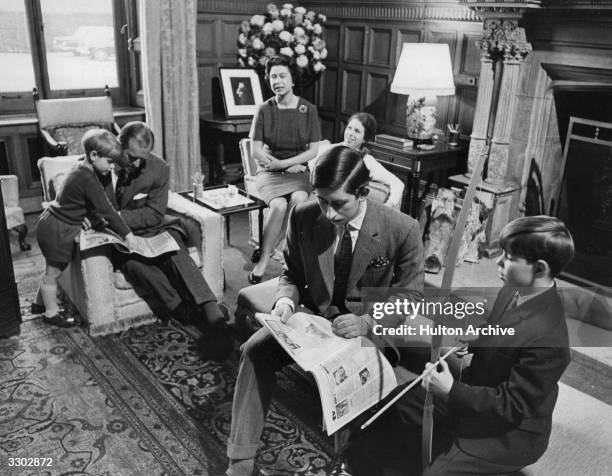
[[254, 279]]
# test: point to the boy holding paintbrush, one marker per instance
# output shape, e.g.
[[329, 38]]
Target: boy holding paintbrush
[[495, 418]]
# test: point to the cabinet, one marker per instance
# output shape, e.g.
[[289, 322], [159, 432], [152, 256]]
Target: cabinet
[[10, 313]]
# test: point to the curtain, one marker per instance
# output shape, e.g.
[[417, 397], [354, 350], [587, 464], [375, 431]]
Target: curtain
[[170, 84]]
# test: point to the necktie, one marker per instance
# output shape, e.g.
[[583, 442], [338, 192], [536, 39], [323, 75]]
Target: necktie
[[120, 185], [513, 302], [342, 269]]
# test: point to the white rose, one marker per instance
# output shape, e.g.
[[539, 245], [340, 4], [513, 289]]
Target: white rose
[[242, 52], [318, 66], [269, 52], [244, 26], [316, 55], [263, 60], [300, 10], [301, 61], [251, 61], [298, 31], [286, 36], [278, 25], [241, 63], [322, 17], [302, 39], [318, 44], [267, 29], [286, 51], [257, 44], [308, 25], [285, 12], [271, 8], [258, 20], [311, 15], [242, 39], [300, 49], [324, 53], [288, 6], [318, 29]]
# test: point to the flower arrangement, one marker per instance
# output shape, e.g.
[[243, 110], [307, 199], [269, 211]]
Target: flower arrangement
[[291, 31]]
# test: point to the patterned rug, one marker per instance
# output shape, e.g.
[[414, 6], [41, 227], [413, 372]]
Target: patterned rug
[[139, 402]]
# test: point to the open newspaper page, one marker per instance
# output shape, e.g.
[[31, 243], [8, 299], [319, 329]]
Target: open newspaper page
[[351, 374], [149, 247]]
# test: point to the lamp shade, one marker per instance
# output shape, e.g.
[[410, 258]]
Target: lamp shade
[[424, 69]]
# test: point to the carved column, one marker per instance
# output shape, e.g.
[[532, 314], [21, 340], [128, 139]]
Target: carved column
[[504, 47], [513, 48], [478, 142]]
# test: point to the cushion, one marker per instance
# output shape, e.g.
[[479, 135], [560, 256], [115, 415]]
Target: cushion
[[72, 134]]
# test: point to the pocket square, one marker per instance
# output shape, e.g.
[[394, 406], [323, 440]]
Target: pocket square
[[138, 196], [379, 262]]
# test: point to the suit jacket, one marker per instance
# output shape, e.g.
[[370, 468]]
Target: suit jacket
[[145, 198], [392, 237], [504, 407]]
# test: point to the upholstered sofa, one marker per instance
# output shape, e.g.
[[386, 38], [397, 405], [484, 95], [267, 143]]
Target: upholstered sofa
[[106, 301]]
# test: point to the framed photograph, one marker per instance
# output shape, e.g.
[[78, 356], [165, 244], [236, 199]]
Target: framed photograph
[[241, 91]]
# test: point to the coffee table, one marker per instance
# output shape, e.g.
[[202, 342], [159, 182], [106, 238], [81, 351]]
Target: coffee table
[[215, 199]]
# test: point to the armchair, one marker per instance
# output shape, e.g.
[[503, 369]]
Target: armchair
[[103, 297], [62, 122], [14, 213]]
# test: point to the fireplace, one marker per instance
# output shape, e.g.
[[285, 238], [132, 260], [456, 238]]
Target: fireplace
[[585, 198]]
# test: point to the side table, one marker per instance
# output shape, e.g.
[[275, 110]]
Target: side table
[[412, 163], [255, 204], [214, 129]]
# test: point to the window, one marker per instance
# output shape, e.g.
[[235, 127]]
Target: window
[[64, 48]]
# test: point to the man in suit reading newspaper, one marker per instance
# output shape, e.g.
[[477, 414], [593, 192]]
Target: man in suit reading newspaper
[[335, 247]]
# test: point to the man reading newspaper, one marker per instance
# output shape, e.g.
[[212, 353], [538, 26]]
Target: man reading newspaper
[[335, 247]]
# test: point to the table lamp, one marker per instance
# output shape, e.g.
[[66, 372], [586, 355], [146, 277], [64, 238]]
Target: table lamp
[[424, 71]]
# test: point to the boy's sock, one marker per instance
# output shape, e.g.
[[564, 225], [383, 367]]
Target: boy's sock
[[48, 290], [240, 467]]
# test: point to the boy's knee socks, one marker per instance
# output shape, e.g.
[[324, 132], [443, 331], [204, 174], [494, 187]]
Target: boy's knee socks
[[48, 290]]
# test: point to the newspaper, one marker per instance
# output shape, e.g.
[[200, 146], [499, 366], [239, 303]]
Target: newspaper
[[351, 374], [149, 247]]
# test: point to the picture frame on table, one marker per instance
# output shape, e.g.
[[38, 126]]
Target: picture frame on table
[[241, 91]]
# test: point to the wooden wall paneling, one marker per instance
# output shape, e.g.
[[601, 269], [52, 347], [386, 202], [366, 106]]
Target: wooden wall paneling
[[470, 58], [355, 44], [351, 91], [206, 45], [228, 37], [377, 95], [35, 150], [206, 72], [328, 89], [4, 157], [332, 41], [466, 99], [328, 126], [380, 47]]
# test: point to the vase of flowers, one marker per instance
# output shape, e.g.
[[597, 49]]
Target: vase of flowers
[[292, 31]]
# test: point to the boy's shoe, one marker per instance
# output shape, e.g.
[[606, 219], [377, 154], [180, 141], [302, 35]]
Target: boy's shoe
[[60, 320]]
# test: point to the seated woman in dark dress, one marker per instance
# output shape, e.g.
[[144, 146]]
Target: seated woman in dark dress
[[285, 135]]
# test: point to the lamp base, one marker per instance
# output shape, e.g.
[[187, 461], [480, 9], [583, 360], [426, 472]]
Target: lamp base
[[421, 119]]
